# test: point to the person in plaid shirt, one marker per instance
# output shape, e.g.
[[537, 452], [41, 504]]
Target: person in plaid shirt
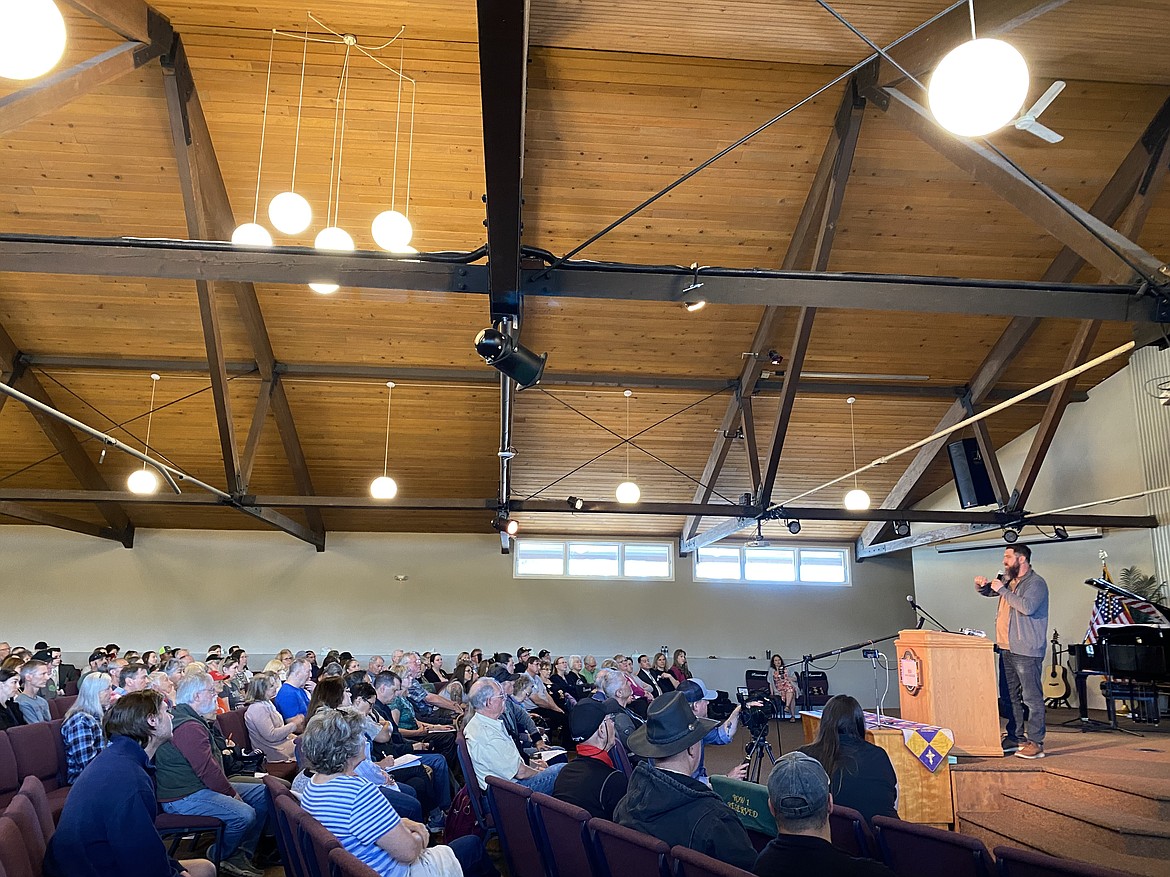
[[82, 728]]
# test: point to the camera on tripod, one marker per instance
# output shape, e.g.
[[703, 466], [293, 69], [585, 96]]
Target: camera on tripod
[[756, 715]]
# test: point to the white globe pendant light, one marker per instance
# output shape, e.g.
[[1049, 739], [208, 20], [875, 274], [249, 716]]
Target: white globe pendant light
[[251, 234], [142, 481], [383, 487], [32, 38], [628, 493], [392, 231], [290, 213], [333, 240], [857, 500], [978, 87]]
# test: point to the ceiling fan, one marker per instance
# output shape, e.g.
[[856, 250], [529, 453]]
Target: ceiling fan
[[1027, 122]]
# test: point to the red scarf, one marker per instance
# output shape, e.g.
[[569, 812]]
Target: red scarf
[[587, 751]]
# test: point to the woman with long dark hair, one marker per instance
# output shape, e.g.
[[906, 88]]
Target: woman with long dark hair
[[781, 686], [678, 668], [860, 773]]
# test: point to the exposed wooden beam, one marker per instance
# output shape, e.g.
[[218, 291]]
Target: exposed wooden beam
[[1095, 241], [259, 416], [179, 90], [209, 260], [1139, 164], [750, 447], [810, 226], [916, 540], [63, 439], [132, 19], [800, 340], [220, 222], [54, 92], [503, 87], [50, 519]]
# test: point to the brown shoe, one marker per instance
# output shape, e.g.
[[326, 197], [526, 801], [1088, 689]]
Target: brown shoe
[[1028, 749]]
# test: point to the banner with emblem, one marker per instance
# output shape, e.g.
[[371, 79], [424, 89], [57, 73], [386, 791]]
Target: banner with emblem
[[929, 744]]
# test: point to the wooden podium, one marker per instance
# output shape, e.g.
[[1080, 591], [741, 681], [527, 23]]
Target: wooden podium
[[954, 686]]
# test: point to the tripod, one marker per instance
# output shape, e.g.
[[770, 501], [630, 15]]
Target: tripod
[[757, 749]]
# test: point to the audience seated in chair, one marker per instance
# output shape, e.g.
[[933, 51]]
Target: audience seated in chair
[[592, 781], [493, 751], [292, 699], [799, 798], [269, 731], [81, 731], [34, 708]]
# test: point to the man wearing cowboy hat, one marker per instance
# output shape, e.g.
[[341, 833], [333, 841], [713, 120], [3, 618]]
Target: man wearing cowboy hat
[[665, 801]]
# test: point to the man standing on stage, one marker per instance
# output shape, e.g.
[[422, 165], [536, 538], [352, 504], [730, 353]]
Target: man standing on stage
[[1021, 626]]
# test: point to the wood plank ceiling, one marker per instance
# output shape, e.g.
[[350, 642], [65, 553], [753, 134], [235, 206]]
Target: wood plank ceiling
[[622, 99]]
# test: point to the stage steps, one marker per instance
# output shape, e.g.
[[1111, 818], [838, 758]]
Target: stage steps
[[1108, 807]]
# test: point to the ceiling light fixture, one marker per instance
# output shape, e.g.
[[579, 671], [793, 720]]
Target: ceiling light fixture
[[391, 228], [504, 524], [333, 238], [793, 527], [901, 529], [145, 481], [510, 357], [1010, 535], [290, 213], [32, 38], [575, 503], [253, 234], [385, 487], [979, 86], [775, 358], [693, 304], [628, 491], [856, 500]]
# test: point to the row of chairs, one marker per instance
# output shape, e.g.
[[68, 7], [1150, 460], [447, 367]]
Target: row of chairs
[[26, 827]]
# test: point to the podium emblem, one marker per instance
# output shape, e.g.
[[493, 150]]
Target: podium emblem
[[910, 672]]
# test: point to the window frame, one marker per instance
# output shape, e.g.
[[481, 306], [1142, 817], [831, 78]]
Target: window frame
[[566, 542], [796, 550]]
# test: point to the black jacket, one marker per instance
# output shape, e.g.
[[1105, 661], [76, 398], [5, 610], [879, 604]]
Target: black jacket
[[803, 854], [682, 811], [591, 784], [10, 715]]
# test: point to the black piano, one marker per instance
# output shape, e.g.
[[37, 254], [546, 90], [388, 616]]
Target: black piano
[[1134, 657]]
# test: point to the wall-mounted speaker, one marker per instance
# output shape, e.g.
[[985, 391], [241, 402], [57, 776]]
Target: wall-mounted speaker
[[972, 482]]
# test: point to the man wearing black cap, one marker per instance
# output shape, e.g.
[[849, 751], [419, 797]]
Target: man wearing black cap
[[591, 781], [666, 801], [798, 796]]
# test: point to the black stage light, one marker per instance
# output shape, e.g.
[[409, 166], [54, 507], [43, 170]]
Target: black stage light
[[504, 524], [510, 357], [794, 527], [1010, 536], [1061, 533], [901, 528], [576, 503]]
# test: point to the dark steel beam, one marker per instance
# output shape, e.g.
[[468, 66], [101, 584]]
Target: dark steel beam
[[347, 371], [1097, 242], [503, 86], [49, 519], [750, 447], [63, 439], [54, 92], [132, 19], [800, 341], [208, 260], [259, 416]]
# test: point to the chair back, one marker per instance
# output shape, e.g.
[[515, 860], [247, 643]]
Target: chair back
[[36, 752], [316, 842], [691, 863], [9, 776], [850, 832], [20, 810], [623, 852], [621, 759], [1028, 863], [756, 682], [58, 706], [33, 789], [509, 805], [231, 725], [346, 864], [478, 803], [287, 812], [748, 801], [914, 850], [563, 832], [14, 854]]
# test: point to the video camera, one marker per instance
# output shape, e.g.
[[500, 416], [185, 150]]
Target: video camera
[[757, 713]]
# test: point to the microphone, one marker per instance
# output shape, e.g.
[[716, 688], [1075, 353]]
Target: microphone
[[910, 600]]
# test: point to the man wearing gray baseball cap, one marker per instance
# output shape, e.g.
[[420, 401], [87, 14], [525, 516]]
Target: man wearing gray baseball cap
[[798, 796]]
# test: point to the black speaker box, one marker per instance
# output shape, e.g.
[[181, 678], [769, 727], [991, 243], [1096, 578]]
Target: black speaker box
[[972, 482]]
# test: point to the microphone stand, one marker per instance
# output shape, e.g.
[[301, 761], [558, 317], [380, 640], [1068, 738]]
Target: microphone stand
[[806, 662], [920, 612]]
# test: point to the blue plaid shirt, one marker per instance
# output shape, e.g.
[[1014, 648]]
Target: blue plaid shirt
[[84, 739]]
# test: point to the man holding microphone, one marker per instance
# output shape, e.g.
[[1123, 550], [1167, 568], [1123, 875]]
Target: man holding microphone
[[1021, 626]]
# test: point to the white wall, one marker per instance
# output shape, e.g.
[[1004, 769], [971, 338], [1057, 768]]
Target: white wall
[[1094, 456], [267, 591]]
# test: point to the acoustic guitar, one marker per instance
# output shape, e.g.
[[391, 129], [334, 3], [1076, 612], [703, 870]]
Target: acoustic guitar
[[1056, 684]]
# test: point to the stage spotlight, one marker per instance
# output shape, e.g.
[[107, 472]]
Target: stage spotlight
[[1010, 535], [510, 357], [1061, 533], [901, 528], [775, 358], [576, 503], [794, 527], [504, 524]]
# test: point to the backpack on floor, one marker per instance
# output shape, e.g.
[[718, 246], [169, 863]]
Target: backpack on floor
[[461, 819]]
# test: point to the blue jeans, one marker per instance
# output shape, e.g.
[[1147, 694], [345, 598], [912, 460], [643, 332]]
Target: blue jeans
[[404, 802], [472, 856], [543, 781], [243, 820], [441, 779], [1023, 676]]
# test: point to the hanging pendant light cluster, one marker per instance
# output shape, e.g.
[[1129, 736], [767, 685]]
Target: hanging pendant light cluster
[[290, 212], [32, 38], [145, 480], [856, 500], [385, 487], [628, 491]]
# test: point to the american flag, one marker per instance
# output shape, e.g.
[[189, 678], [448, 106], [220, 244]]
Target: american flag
[[1112, 609]]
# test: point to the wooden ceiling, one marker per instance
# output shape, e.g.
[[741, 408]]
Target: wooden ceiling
[[622, 99]]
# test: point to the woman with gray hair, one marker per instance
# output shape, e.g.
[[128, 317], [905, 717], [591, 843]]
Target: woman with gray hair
[[353, 810], [82, 728]]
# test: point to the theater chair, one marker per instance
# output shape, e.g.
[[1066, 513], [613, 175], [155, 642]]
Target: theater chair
[[511, 814], [623, 852], [563, 832], [40, 752], [690, 863], [913, 850], [14, 854], [1012, 862], [851, 833]]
